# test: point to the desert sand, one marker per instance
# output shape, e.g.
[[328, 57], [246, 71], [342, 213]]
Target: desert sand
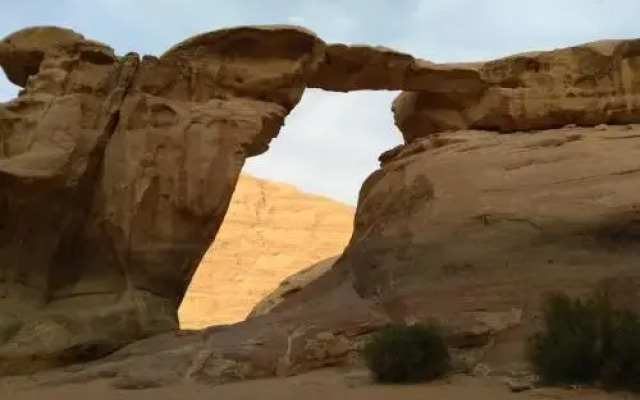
[[319, 385]]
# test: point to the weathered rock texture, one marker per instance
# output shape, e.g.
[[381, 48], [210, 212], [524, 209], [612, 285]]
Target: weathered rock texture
[[471, 233], [591, 84], [271, 231], [116, 173], [520, 208], [291, 285], [325, 332]]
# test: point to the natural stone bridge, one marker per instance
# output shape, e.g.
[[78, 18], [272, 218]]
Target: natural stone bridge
[[116, 172]]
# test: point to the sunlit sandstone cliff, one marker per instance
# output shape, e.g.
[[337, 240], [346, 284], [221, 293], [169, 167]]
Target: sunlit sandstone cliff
[[271, 231]]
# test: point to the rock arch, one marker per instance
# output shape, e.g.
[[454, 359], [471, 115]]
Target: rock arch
[[136, 159], [131, 161]]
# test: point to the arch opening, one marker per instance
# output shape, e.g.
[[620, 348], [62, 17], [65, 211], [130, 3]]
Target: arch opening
[[292, 211], [7, 89]]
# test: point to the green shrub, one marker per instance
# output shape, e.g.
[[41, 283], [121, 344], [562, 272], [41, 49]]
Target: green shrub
[[407, 354], [587, 340], [621, 364], [565, 351]]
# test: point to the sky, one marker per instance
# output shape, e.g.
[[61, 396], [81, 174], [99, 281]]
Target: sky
[[331, 141]]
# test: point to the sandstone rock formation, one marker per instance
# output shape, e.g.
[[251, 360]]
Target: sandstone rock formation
[[326, 332], [483, 211], [270, 231], [291, 285], [115, 176], [471, 233], [587, 85], [116, 173]]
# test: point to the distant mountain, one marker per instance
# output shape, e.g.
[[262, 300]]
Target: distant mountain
[[271, 231]]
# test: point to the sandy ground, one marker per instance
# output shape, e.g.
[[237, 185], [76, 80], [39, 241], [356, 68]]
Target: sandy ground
[[319, 385]]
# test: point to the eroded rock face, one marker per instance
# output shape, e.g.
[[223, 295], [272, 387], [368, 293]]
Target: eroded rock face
[[281, 344], [53, 136], [471, 233], [492, 222], [473, 228], [116, 173], [587, 85], [291, 285]]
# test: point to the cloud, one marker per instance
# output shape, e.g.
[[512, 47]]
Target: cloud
[[331, 140], [465, 30], [296, 20]]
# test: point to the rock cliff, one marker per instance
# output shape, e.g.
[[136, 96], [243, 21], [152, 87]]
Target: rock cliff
[[116, 173]]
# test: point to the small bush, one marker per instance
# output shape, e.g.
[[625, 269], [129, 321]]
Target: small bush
[[565, 351], [587, 340], [407, 354], [621, 364]]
